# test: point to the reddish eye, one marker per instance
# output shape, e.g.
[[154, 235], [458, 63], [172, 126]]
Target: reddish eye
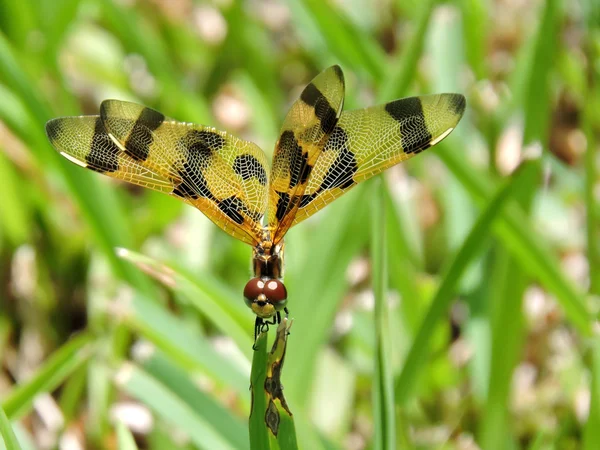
[[275, 291], [253, 289]]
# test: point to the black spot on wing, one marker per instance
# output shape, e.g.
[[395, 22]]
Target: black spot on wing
[[138, 143], [103, 155], [344, 166], [306, 170], [457, 104], [197, 144], [193, 184], [284, 204], [232, 207], [325, 113], [307, 198], [289, 150], [54, 129], [338, 72], [247, 166], [311, 95], [408, 112], [212, 139]]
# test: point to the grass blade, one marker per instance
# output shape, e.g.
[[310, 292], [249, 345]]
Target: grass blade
[[185, 348], [285, 429], [342, 233], [55, 370], [169, 407], [591, 175], [417, 355], [346, 41], [531, 83], [6, 431], [259, 434], [383, 386], [397, 83], [591, 431], [104, 216], [507, 323], [205, 405], [125, 439], [271, 422], [517, 235], [211, 299]]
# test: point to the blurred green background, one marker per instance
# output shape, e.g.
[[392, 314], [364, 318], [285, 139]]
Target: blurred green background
[[486, 248]]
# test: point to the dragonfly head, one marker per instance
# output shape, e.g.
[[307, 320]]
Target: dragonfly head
[[265, 296]]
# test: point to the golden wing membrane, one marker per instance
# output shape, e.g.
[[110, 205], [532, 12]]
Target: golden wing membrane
[[305, 131], [223, 176], [367, 141]]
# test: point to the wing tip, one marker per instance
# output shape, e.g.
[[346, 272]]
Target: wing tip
[[53, 127], [338, 71], [457, 103]]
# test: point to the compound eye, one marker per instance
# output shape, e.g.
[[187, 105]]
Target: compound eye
[[275, 291], [253, 289]]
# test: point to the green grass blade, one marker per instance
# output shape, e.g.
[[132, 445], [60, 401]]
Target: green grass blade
[[185, 348], [406, 382], [170, 408], [211, 299], [591, 110], [531, 84], [125, 439], [476, 17], [7, 434], [61, 364], [342, 232], [517, 235], [140, 38], [507, 333], [402, 74], [271, 422], [283, 426], [259, 433], [23, 436], [514, 230], [13, 76], [104, 215], [507, 327], [347, 42], [591, 430], [14, 220], [205, 405], [383, 386]]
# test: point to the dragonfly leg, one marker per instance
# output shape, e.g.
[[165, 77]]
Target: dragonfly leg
[[258, 324], [262, 326]]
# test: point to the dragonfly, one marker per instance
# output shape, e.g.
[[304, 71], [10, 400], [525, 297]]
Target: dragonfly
[[321, 153]]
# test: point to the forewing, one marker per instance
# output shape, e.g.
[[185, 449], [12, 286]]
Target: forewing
[[223, 176], [305, 131], [367, 141]]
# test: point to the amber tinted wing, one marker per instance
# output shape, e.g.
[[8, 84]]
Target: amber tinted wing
[[305, 131], [223, 176], [367, 141]]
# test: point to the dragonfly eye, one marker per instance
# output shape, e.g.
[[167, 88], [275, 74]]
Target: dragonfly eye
[[253, 289], [276, 292], [265, 296]]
